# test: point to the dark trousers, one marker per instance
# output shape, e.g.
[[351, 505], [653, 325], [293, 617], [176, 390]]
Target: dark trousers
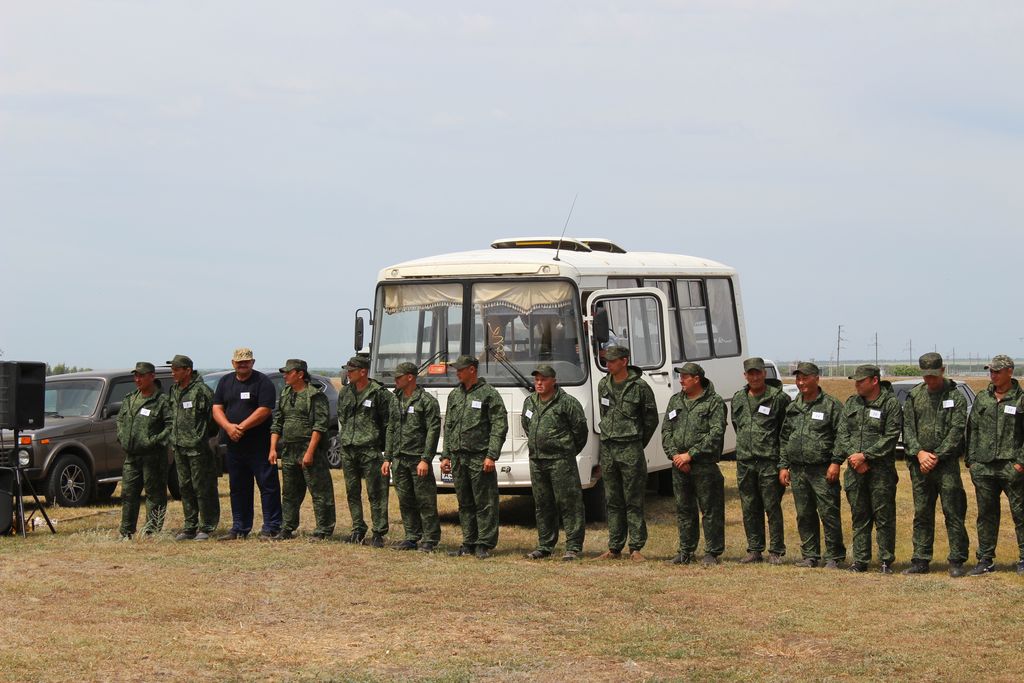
[[243, 470]]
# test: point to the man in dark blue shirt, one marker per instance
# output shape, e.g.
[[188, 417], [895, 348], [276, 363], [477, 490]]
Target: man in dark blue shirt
[[242, 406]]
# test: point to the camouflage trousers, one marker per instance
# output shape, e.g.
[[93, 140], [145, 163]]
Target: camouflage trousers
[[990, 480], [761, 497], [417, 500], [557, 494], [703, 489], [360, 465], [872, 498], [144, 471], [477, 493], [197, 477], [817, 505], [295, 479], [942, 482], [624, 472]]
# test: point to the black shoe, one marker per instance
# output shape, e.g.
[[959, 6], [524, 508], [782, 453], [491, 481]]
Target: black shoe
[[233, 536], [267, 534], [283, 535], [1020, 567], [126, 537], [983, 567], [406, 545], [752, 557], [917, 567], [426, 547], [538, 555], [807, 562], [775, 559], [681, 558], [377, 541], [885, 568], [185, 536], [482, 553], [858, 567], [710, 560], [319, 537], [463, 551], [570, 556], [957, 569], [355, 537], [832, 564]]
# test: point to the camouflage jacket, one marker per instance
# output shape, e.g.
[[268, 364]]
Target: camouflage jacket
[[191, 413], [633, 415], [995, 430], [872, 428], [143, 424], [935, 422], [758, 421], [363, 417], [809, 433], [299, 414], [414, 427], [556, 428], [475, 421], [695, 426]]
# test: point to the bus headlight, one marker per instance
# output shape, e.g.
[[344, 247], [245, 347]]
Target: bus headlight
[[24, 458]]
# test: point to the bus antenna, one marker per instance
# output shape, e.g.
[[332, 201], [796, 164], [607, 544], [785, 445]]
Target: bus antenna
[[566, 226]]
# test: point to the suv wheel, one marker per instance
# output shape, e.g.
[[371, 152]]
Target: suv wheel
[[334, 451], [70, 483]]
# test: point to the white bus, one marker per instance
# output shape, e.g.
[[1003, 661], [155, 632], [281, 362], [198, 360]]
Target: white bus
[[561, 302]]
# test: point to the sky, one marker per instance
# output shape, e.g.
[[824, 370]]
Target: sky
[[188, 177]]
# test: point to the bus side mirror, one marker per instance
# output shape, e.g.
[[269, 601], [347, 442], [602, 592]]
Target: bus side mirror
[[359, 333], [601, 325]]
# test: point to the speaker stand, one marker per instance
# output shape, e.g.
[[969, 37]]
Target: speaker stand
[[20, 480]]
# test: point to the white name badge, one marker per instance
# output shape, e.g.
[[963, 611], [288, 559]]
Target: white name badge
[[1010, 410], [764, 410], [412, 409], [245, 395], [476, 405], [876, 414], [817, 416], [144, 411], [529, 414], [605, 402], [671, 414], [367, 403], [948, 403], [186, 404]]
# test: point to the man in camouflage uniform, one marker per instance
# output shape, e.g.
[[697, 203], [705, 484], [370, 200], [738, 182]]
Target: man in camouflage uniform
[[693, 435], [192, 425], [995, 456], [629, 418], [758, 413], [934, 420], [299, 445], [808, 463], [414, 429], [868, 433], [556, 431], [143, 426], [363, 409], [475, 426]]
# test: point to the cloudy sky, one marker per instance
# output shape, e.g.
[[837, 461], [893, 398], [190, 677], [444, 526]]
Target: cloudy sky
[[187, 177]]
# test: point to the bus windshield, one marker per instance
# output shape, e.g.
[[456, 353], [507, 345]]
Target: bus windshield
[[510, 326]]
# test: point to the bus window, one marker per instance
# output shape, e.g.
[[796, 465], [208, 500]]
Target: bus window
[[723, 317], [635, 323], [418, 324], [693, 319], [666, 287]]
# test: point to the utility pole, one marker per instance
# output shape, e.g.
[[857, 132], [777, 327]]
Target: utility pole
[[839, 345], [876, 348]]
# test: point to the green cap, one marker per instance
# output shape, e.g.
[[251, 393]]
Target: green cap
[[806, 368], [544, 371], [143, 368], [358, 363], [406, 369], [865, 371], [754, 363], [930, 364], [1000, 362], [463, 362], [180, 361], [616, 352], [294, 364], [690, 369]]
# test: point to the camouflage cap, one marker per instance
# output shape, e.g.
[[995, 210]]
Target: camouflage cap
[[806, 368], [242, 353], [294, 364], [143, 368], [463, 362], [754, 363], [999, 362], [358, 363], [616, 352], [406, 369], [865, 371], [930, 364], [544, 371], [690, 369], [180, 361]]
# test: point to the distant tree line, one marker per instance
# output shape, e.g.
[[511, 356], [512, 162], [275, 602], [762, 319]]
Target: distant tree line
[[62, 369]]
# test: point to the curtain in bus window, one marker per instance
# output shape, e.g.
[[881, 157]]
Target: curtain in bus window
[[723, 317], [522, 297], [399, 298]]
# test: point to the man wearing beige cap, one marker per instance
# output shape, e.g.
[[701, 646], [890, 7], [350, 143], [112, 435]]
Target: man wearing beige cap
[[242, 406]]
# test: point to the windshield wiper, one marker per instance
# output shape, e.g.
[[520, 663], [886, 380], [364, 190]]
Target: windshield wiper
[[513, 370], [442, 352]]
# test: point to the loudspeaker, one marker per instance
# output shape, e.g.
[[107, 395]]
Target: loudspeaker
[[22, 391]]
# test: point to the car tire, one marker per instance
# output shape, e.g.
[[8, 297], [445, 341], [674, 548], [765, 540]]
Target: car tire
[[334, 451], [594, 509], [70, 483], [105, 490], [173, 486]]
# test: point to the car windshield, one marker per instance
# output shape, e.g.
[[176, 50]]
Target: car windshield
[[72, 398], [512, 326]]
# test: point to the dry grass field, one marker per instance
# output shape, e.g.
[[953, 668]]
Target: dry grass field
[[83, 606]]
